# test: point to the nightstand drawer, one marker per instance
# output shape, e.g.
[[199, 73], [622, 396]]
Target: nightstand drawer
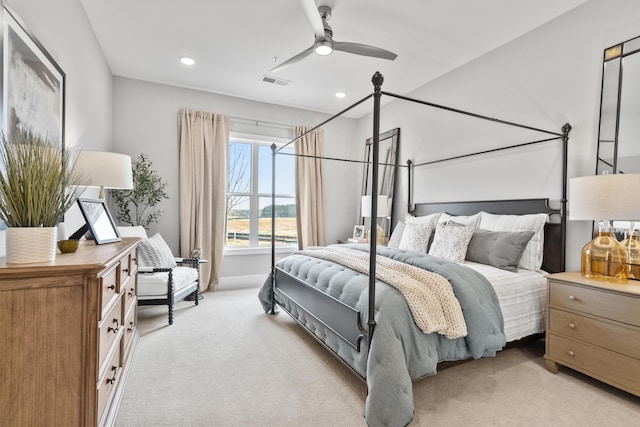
[[613, 368], [611, 305], [617, 338]]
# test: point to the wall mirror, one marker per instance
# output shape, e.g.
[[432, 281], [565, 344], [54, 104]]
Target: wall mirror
[[619, 133], [388, 151]]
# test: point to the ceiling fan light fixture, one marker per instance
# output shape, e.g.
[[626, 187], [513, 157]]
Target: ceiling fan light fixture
[[323, 47]]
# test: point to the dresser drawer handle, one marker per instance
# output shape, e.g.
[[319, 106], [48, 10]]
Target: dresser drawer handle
[[113, 379], [572, 326], [571, 353], [572, 298], [111, 287], [130, 328], [116, 329], [125, 270], [131, 292]]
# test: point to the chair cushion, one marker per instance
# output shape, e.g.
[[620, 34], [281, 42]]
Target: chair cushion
[[155, 284], [154, 252]]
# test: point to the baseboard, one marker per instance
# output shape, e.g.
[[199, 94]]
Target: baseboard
[[242, 282]]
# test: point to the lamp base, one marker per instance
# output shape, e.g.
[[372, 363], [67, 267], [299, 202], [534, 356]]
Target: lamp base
[[604, 258]]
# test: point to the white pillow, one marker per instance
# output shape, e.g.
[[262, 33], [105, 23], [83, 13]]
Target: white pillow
[[532, 256], [415, 236], [422, 219], [154, 252], [396, 235], [471, 220], [451, 241]]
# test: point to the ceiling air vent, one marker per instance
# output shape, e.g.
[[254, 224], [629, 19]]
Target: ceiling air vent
[[273, 80]]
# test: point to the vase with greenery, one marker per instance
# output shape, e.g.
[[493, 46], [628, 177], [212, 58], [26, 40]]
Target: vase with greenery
[[137, 206], [37, 186]]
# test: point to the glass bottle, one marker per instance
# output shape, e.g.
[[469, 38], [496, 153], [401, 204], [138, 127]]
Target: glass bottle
[[632, 246], [604, 258]]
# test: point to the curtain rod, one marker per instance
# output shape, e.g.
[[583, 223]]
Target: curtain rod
[[260, 122]]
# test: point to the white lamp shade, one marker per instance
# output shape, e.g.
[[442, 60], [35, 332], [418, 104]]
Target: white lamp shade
[[105, 169], [605, 197], [383, 206]]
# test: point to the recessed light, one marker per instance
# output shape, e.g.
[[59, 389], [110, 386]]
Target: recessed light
[[341, 94], [187, 60]]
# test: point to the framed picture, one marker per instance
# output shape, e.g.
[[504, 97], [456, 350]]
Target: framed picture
[[99, 222], [358, 232], [33, 84]]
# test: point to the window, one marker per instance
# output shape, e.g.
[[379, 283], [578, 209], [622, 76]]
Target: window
[[249, 193]]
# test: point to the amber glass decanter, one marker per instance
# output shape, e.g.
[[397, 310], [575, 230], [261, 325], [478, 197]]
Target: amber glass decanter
[[604, 258], [632, 246]]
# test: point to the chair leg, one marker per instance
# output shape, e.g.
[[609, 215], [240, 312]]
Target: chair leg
[[196, 295], [171, 312]]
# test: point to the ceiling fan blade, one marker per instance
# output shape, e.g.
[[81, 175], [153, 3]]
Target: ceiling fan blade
[[313, 16], [292, 60], [363, 49]]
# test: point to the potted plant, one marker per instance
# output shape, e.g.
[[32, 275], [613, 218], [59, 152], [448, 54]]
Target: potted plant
[[136, 207], [37, 187]]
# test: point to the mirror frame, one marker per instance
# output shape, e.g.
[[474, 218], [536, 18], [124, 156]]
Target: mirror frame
[[387, 175], [610, 103]]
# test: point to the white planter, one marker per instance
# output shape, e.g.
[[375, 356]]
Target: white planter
[[31, 244]]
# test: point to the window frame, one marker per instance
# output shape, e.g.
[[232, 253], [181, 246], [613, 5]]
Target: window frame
[[256, 141]]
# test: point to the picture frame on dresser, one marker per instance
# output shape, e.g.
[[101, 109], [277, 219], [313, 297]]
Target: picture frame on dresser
[[98, 221]]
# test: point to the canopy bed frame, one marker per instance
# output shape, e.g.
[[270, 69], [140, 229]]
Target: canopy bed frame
[[345, 321]]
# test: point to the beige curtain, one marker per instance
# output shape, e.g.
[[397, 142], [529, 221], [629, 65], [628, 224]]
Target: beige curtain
[[309, 189], [204, 141]]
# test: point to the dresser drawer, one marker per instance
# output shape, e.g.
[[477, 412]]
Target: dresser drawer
[[127, 268], [110, 289], [129, 330], [618, 338], [108, 382], [613, 368], [109, 331], [611, 305], [129, 294]]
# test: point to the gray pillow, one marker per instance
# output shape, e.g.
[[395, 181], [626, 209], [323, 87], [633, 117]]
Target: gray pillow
[[396, 236], [500, 249]]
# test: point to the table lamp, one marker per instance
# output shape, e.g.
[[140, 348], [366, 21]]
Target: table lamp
[[382, 212], [605, 198], [105, 170]]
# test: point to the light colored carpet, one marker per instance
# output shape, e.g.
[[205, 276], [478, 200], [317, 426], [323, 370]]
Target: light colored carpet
[[226, 363]]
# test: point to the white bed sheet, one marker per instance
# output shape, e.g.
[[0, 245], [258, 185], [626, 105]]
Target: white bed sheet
[[522, 297]]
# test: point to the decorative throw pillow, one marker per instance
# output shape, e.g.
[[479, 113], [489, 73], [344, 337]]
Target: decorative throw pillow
[[154, 252], [415, 236], [396, 236], [451, 241], [500, 249], [422, 219], [532, 256], [471, 220]]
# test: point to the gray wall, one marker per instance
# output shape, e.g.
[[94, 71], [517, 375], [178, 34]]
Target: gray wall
[[547, 77], [63, 29], [145, 119]]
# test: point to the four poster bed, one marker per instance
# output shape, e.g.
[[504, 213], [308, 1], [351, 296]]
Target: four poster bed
[[392, 318]]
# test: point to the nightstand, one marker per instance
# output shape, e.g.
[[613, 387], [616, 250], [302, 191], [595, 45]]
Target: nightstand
[[594, 327]]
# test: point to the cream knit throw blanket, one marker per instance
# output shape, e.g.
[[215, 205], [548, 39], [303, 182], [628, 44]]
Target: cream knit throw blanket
[[429, 296]]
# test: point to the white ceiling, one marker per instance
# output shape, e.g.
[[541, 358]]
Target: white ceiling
[[233, 43]]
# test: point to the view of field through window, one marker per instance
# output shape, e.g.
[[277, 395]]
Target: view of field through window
[[249, 203]]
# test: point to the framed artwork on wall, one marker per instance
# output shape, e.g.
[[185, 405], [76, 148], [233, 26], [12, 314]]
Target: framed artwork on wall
[[33, 84]]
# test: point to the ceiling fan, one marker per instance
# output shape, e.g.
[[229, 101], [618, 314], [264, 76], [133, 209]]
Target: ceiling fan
[[324, 43]]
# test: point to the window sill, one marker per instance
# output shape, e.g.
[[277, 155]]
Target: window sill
[[259, 250]]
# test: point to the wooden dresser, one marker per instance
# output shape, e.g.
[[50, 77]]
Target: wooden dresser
[[68, 334], [594, 327]]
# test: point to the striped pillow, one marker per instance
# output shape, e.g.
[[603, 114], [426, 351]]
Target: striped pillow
[[532, 256], [154, 252]]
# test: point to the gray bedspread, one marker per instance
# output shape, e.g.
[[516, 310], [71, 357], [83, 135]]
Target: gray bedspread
[[399, 351]]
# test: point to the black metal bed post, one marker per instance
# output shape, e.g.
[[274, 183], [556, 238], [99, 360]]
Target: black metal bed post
[[563, 214], [409, 194], [377, 80], [273, 228]]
